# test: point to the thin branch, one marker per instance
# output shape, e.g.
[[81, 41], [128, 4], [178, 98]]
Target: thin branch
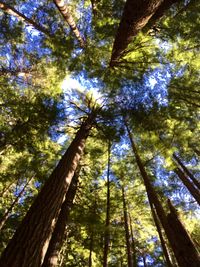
[[12, 11]]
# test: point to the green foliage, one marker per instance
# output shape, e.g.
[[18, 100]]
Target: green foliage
[[33, 113]]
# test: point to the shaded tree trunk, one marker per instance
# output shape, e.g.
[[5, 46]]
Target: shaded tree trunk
[[128, 244], [191, 188], [94, 7], [135, 16], [179, 248], [91, 249], [162, 241], [28, 246], [55, 245], [188, 253], [12, 71], [9, 210], [12, 11], [144, 261], [197, 152], [133, 244], [6, 189], [164, 6], [185, 169], [64, 10], [107, 224]]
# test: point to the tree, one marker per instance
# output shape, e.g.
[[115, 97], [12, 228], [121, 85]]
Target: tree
[[135, 16], [12, 11], [177, 245], [126, 226], [51, 257], [107, 223], [9, 210], [194, 192], [154, 84], [64, 10], [55, 189], [196, 183]]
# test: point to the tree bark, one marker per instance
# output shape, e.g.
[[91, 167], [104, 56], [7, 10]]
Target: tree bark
[[126, 227], [185, 169], [188, 254], [94, 7], [9, 210], [191, 188], [51, 257], [12, 11], [29, 245], [197, 152], [165, 5], [64, 10], [91, 249], [6, 189], [178, 247], [107, 224], [162, 241], [144, 261], [135, 16], [133, 244]]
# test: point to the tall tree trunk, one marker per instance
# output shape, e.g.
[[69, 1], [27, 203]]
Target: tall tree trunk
[[107, 224], [64, 10], [55, 245], [94, 7], [91, 249], [197, 152], [192, 189], [12, 11], [133, 244], [29, 245], [188, 253], [144, 261], [135, 16], [179, 248], [128, 244], [9, 210], [165, 5], [185, 169], [162, 241], [6, 189]]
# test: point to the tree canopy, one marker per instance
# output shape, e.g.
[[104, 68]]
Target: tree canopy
[[99, 133]]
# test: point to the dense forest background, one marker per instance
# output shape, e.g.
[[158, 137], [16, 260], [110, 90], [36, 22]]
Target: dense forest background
[[99, 133]]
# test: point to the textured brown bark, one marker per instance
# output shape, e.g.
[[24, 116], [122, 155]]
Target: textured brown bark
[[191, 188], [162, 241], [29, 245], [107, 224], [135, 16], [64, 10], [188, 253], [133, 244], [12, 11], [9, 210], [165, 5], [126, 227], [185, 169], [178, 247], [51, 257]]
